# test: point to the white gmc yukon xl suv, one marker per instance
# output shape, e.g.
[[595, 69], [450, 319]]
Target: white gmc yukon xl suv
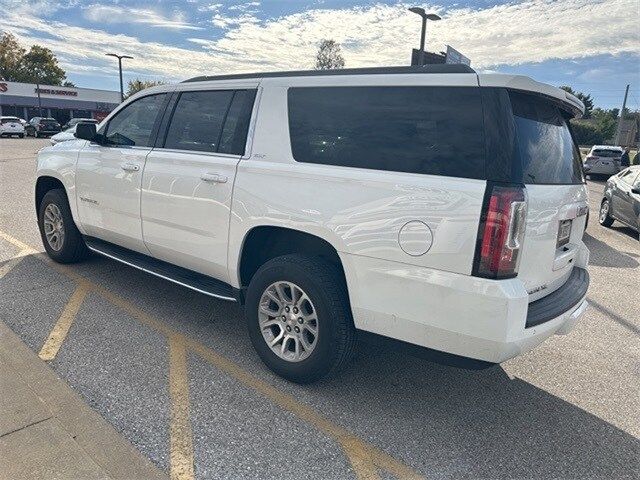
[[432, 205]]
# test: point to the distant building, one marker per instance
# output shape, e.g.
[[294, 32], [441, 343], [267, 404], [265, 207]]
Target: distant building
[[61, 103]]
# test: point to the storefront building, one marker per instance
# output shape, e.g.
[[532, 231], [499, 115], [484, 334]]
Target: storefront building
[[28, 100]]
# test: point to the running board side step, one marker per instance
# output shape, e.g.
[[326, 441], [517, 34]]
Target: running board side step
[[182, 276]]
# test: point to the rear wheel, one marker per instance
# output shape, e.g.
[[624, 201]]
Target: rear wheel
[[60, 236], [299, 317], [604, 218]]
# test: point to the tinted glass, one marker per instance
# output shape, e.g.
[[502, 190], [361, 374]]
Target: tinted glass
[[607, 153], [133, 125], [234, 133], [9, 120], [431, 130], [197, 120], [546, 148]]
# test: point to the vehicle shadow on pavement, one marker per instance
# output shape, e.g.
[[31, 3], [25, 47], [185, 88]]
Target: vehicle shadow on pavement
[[603, 255], [481, 424]]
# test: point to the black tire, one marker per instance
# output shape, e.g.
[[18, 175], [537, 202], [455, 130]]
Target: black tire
[[73, 248], [325, 286], [605, 220], [21, 135]]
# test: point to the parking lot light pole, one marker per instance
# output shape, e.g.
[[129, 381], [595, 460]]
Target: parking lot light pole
[[120, 57], [425, 16]]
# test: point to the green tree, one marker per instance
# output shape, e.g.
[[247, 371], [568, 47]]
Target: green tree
[[585, 98], [134, 86], [11, 54], [329, 56], [38, 65]]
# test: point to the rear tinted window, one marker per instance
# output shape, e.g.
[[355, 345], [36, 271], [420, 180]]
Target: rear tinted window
[[9, 120], [607, 153], [429, 130], [544, 142]]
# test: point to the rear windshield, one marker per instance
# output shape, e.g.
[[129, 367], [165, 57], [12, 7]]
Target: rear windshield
[[607, 153], [546, 148], [428, 130], [9, 120]]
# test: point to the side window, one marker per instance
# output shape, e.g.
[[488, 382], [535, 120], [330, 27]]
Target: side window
[[133, 125], [430, 130], [197, 120], [236, 126]]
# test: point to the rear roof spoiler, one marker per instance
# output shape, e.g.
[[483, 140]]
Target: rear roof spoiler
[[565, 100]]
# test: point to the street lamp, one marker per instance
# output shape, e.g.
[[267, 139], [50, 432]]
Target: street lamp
[[119, 57], [425, 16]]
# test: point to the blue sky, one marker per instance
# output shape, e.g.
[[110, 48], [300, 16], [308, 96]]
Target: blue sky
[[592, 45]]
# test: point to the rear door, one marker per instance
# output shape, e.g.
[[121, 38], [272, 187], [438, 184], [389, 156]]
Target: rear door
[[109, 174], [189, 176], [556, 194]]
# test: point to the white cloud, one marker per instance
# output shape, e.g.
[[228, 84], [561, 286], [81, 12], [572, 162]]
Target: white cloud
[[528, 31], [118, 14]]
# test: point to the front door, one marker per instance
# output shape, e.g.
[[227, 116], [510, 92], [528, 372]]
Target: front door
[[188, 179], [109, 173], [623, 199]]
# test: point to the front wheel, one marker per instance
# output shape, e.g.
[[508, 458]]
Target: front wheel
[[61, 238], [299, 317], [604, 218]]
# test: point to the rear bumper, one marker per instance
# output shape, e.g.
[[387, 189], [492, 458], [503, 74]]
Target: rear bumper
[[458, 314]]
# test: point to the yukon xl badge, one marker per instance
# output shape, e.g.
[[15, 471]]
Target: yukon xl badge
[[537, 289]]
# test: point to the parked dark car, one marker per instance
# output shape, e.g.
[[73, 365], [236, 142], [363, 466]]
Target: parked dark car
[[42, 127], [621, 199]]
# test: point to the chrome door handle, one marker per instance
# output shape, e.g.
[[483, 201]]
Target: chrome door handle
[[130, 167], [213, 178]]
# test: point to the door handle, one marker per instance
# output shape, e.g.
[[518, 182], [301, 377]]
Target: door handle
[[130, 167], [213, 178]]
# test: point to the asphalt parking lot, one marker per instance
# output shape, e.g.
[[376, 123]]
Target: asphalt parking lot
[[174, 372]]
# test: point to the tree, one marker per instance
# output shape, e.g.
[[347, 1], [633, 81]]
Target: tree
[[329, 56], [38, 65], [11, 54], [134, 86], [586, 99]]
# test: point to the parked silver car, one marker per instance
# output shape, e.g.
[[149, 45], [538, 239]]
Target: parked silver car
[[603, 160], [621, 199]]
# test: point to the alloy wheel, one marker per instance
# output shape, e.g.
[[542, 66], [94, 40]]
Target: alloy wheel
[[54, 227], [288, 321]]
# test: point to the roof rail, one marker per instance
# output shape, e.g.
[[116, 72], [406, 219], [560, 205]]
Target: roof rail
[[431, 68]]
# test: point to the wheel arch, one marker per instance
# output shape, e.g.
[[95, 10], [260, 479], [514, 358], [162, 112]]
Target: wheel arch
[[264, 242], [44, 184]]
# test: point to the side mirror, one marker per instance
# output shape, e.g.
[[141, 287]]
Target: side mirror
[[86, 131], [636, 189]]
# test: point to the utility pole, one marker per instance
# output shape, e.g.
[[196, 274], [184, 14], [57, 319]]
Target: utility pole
[[39, 99], [624, 105]]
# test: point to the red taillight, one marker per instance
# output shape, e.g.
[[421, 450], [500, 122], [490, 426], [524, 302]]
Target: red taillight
[[501, 232]]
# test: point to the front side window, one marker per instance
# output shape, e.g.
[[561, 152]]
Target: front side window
[[428, 130], [133, 125], [547, 151]]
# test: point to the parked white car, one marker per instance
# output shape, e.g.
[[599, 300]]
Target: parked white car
[[431, 205], [11, 127], [603, 160]]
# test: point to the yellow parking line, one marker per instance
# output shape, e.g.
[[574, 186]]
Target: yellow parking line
[[60, 330], [10, 264], [363, 456], [180, 430]]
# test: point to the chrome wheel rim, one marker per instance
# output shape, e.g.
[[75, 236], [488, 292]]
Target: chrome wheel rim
[[53, 226], [288, 321], [604, 211]]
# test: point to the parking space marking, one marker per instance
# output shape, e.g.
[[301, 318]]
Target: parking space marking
[[364, 457], [60, 330], [10, 264], [181, 437]]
